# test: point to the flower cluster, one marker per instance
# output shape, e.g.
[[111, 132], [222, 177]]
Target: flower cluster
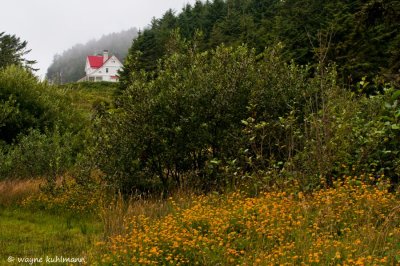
[[350, 223], [69, 196]]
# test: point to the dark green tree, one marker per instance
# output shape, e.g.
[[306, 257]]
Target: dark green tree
[[13, 51], [361, 37]]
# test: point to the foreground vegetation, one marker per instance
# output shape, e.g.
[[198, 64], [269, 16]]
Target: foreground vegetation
[[29, 234], [37, 232], [229, 117], [353, 222]]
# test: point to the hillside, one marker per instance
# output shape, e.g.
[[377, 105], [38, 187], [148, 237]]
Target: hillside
[[69, 66], [85, 97]]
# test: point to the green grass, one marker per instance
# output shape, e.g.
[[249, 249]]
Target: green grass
[[24, 233], [87, 94]]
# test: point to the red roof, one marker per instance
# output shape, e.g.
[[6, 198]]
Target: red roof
[[95, 61]]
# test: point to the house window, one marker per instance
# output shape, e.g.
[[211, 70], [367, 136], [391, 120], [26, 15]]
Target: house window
[[99, 78], [106, 70]]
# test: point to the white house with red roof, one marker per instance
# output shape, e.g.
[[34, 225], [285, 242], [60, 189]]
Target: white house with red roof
[[102, 68]]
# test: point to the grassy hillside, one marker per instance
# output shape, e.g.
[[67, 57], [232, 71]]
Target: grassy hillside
[[85, 96]]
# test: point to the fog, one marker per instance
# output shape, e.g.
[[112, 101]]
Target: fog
[[53, 26], [69, 66]]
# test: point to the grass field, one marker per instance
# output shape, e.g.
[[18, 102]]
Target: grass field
[[86, 95], [26, 234]]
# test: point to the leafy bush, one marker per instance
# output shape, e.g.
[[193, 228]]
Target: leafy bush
[[349, 134], [39, 133], [186, 121], [36, 154], [229, 117]]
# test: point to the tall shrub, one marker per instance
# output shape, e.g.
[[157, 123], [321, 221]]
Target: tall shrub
[[40, 134], [186, 121]]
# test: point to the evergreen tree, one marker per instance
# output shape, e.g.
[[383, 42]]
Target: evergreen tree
[[13, 52], [361, 37]]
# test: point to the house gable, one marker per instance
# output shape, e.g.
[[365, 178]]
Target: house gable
[[112, 62]]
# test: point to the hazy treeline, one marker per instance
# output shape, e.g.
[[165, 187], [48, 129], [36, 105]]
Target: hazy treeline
[[363, 36], [69, 66]]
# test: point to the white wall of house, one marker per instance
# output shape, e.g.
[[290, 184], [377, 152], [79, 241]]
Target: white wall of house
[[107, 72]]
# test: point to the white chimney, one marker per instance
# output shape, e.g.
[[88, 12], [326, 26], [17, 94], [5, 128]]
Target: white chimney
[[105, 56]]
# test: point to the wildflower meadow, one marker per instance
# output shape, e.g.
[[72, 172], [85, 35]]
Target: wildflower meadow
[[351, 223]]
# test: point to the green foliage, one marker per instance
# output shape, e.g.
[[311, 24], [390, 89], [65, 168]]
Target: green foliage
[[87, 85], [37, 154], [35, 105], [203, 103], [27, 234], [228, 117], [8, 110], [13, 51], [360, 36], [186, 121], [348, 135], [69, 196], [39, 134], [388, 151]]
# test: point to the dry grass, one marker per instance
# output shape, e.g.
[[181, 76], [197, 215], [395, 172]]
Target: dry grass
[[13, 191], [114, 214]]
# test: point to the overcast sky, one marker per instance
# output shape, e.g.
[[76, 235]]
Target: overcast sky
[[53, 26]]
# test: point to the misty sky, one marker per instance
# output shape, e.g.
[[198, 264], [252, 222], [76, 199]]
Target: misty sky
[[52, 26]]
